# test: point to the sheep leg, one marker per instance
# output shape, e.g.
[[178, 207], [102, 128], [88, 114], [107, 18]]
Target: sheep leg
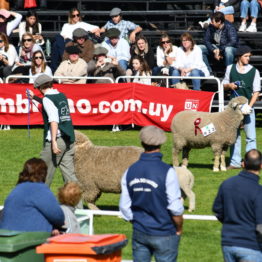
[[92, 206], [185, 156], [223, 159], [217, 150], [176, 156], [191, 197]]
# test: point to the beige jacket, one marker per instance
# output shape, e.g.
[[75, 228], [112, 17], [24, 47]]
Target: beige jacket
[[66, 68]]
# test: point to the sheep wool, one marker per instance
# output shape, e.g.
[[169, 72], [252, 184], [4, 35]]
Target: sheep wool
[[99, 169], [186, 127]]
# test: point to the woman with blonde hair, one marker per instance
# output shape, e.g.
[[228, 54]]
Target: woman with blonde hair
[[66, 35], [39, 66], [25, 56]]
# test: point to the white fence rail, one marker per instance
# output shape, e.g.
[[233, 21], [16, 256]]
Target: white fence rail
[[219, 85]]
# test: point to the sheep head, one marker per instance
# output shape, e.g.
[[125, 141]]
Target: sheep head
[[81, 139], [237, 102]]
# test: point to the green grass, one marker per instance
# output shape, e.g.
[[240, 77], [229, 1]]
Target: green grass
[[201, 239]]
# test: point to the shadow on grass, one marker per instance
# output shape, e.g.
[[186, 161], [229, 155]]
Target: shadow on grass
[[108, 207]]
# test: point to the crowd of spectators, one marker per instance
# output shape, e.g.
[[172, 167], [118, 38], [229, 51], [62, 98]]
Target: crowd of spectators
[[128, 52]]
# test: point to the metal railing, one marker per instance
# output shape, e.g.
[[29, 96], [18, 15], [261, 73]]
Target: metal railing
[[91, 213], [60, 77], [219, 84]]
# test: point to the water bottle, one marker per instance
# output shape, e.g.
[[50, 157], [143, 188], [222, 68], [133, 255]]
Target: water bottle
[[48, 48]]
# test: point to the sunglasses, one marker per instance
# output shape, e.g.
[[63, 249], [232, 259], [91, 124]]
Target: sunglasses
[[1, 41], [38, 57], [27, 40], [77, 15], [166, 42]]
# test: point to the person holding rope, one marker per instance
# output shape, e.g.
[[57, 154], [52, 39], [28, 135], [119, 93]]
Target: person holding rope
[[59, 134], [243, 80]]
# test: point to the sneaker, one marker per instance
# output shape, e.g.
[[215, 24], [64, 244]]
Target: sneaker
[[204, 24], [252, 28], [242, 28]]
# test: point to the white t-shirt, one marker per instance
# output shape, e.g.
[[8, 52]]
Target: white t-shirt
[[67, 29]]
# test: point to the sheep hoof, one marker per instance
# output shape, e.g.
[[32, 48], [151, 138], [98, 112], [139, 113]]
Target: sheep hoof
[[191, 210], [215, 169], [223, 168]]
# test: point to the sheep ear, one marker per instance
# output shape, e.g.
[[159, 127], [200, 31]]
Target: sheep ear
[[234, 105]]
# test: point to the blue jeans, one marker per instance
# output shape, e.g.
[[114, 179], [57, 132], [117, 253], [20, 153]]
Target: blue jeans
[[252, 5], [241, 254], [123, 64], [195, 72], [251, 142], [228, 10], [229, 55], [164, 248], [157, 71]]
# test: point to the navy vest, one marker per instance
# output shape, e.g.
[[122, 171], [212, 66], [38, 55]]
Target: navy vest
[[146, 183]]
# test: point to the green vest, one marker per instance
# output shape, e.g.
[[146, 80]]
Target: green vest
[[246, 82], [65, 123]]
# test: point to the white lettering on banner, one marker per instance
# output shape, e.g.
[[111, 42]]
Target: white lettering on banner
[[117, 106], [191, 104], [71, 105], [84, 106], [132, 104], [8, 101], [102, 108]]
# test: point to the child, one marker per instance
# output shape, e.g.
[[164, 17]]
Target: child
[[69, 196], [140, 68]]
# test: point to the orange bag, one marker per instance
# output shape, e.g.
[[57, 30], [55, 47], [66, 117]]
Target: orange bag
[[30, 4]]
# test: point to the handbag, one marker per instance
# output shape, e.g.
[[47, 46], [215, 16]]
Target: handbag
[[30, 4]]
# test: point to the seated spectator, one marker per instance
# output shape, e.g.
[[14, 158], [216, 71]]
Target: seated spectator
[[31, 206], [73, 66], [31, 25], [189, 61], [104, 66], [254, 7], [66, 35], [140, 68], [166, 54], [85, 45], [142, 48], [39, 66], [69, 196], [7, 25], [125, 27], [8, 56], [221, 40], [25, 55], [118, 48], [227, 7]]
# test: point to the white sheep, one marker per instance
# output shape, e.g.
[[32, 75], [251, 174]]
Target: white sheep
[[186, 182], [100, 168], [186, 132]]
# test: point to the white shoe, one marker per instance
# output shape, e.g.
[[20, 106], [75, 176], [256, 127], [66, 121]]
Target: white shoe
[[204, 24], [242, 28], [252, 28]]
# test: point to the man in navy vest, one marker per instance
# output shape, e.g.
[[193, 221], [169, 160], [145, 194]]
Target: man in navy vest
[[151, 201], [242, 79], [238, 207]]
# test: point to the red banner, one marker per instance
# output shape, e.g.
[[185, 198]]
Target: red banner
[[105, 104]]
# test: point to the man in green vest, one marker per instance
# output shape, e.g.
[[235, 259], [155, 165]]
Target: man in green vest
[[243, 80], [58, 131]]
